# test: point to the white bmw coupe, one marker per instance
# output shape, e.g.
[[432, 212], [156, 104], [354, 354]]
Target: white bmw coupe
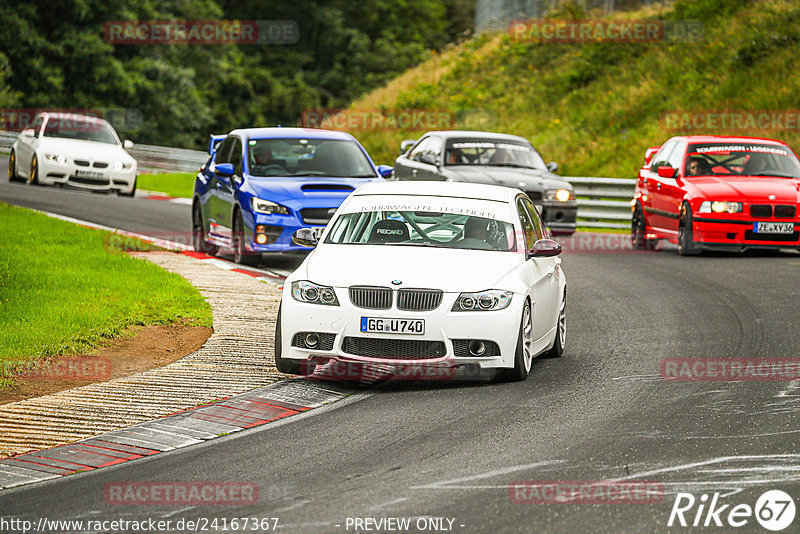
[[429, 274], [75, 150]]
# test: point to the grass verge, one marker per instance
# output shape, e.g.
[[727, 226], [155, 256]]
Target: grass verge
[[63, 292], [173, 184]]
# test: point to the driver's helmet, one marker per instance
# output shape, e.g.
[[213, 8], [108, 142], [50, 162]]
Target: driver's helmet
[[261, 153]]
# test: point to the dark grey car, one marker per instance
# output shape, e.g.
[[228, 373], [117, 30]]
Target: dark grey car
[[491, 158]]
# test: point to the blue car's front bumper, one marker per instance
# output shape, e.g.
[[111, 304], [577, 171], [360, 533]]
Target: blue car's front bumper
[[278, 229]]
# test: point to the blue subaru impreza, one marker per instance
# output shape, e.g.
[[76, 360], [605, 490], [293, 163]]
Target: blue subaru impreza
[[262, 184]]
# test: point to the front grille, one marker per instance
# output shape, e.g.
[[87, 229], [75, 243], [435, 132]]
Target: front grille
[[100, 165], [89, 181], [461, 348], [785, 211], [372, 298], [395, 349], [316, 215], [535, 195], [761, 210], [325, 341], [419, 299], [81, 163], [752, 236]]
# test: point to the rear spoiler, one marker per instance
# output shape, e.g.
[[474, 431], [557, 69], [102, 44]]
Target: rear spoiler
[[214, 140]]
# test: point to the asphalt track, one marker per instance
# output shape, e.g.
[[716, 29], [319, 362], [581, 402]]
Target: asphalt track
[[451, 449]]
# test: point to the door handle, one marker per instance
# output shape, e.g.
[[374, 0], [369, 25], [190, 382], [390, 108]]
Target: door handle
[[551, 271]]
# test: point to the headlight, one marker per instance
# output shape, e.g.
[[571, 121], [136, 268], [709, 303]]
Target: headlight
[[305, 291], [720, 207], [493, 299], [120, 165], [57, 158], [561, 195], [267, 207]]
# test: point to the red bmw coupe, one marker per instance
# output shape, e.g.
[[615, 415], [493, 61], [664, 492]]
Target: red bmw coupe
[[715, 192]]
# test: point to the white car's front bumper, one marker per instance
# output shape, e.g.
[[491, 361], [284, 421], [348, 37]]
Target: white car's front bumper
[[88, 176], [444, 343]]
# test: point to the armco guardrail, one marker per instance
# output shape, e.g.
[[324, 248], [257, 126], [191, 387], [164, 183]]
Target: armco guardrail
[[150, 158], [603, 202], [163, 159]]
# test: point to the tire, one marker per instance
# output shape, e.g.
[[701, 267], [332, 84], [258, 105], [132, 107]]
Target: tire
[[639, 231], [240, 253], [561, 332], [289, 367], [12, 167], [199, 242], [132, 193], [686, 244], [523, 359], [33, 178]]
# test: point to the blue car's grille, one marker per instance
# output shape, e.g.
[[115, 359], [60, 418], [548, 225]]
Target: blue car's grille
[[317, 215]]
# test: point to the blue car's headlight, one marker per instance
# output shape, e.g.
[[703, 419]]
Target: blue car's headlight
[[305, 291], [266, 207], [493, 299]]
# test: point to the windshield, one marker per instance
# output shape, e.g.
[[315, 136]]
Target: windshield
[[726, 159], [80, 128], [307, 157], [422, 228], [498, 153]]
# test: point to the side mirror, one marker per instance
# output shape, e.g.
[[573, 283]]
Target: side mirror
[[127, 144], [552, 166], [666, 172], [28, 132], [649, 153], [385, 171], [406, 144], [545, 248], [223, 169], [305, 237], [429, 159]]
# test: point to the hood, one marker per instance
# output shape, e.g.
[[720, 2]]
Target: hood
[[752, 188], [308, 187], [451, 270], [507, 176], [79, 149]]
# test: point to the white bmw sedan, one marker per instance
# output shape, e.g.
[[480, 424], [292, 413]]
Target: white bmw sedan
[[74, 150], [428, 274]]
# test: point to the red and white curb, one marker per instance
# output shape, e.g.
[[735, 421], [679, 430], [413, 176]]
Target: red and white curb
[[251, 409], [155, 195], [264, 275]]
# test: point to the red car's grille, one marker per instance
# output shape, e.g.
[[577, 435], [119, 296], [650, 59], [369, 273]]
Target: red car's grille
[[749, 235], [761, 210], [781, 211]]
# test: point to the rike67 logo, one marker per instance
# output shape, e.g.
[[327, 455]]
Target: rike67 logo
[[774, 510]]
